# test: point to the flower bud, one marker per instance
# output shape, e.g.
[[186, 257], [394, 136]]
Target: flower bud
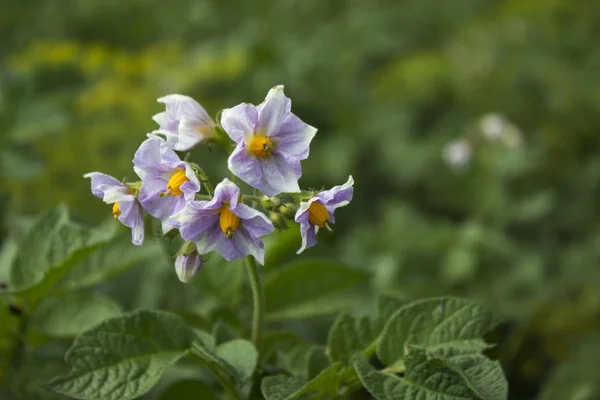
[[277, 220], [270, 202], [288, 210], [186, 266]]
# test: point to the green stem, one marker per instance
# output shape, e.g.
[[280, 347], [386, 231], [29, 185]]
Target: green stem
[[257, 301], [205, 181], [251, 198], [227, 384]]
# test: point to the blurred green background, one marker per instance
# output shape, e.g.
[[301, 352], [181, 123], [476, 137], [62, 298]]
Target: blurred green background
[[470, 127]]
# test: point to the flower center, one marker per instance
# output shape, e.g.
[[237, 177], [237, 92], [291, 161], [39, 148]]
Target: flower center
[[318, 214], [116, 210], [261, 146], [228, 221], [174, 184]]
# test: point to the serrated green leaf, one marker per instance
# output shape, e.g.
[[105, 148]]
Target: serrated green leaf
[[282, 387], [109, 261], [122, 358], [30, 261], [68, 315], [349, 336], [310, 288], [241, 355], [189, 390], [49, 250], [434, 324], [482, 375], [424, 379]]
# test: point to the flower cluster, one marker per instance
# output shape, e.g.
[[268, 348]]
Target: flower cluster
[[266, 144]]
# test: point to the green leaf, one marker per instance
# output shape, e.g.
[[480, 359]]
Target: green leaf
[[435, 324], [68, 315], [221, 279], [283, 387], [310, 288], [241, 356], [31, 263], [424, 379], [189, 390], [482, 375], [122, 358], [349, 336], [49, 250], [109, 261]]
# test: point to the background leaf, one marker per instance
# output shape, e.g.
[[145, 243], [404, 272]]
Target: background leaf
[[424, 379], [122, 358], [435, 324], [310, 288], [68, 315], [241, 356], [288, 387], [189, 390]]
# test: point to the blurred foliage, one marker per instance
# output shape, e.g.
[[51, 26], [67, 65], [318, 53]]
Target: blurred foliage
[[388, 84]]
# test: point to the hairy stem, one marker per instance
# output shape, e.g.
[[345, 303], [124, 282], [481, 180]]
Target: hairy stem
[[205, 181], [257, 300]]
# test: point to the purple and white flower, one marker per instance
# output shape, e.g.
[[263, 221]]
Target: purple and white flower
[[167, 182], [186, 266], [270, 143], [317, 212], [184, 123], [224, 224], [126, 207]]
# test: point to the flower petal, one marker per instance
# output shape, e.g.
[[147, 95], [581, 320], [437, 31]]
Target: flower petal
[[239, 120], [162, 208], [191, 133], [148, 159], [293, 137], [253, 220], [245, 166], [280, 174], [102, 183], [338, 196], [272, 110], [210, 239], [309, 236], [241, 245], [132, 217]]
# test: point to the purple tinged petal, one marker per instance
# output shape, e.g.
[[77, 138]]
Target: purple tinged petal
[[241, 245], [272, 111], [239, 121], [244, 165], [186, 266], [338, 196], [193, 220], [110, 190], [147, 160], [210, 239], [293, 137], [192, 186], [254, 221], [102, 182], [227, 192], [280, 174], [132, 217], [163, 208], [308, 232]]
